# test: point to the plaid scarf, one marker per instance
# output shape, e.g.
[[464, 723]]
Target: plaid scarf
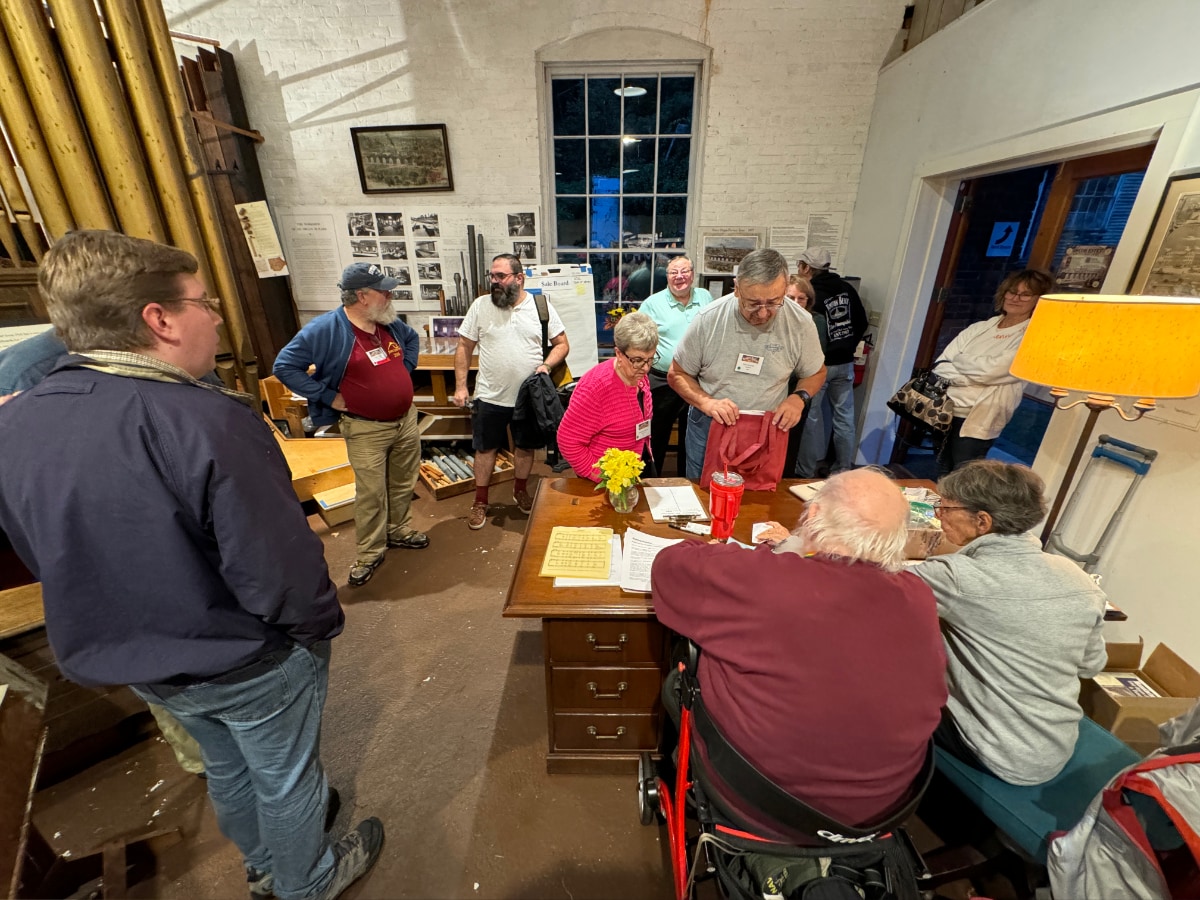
[[137, 365]]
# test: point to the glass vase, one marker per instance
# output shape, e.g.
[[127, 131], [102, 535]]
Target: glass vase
[[624, 501]]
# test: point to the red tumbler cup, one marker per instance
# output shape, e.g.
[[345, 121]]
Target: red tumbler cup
[[724, 501]]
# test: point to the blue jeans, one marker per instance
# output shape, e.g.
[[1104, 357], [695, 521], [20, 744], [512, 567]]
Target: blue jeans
[[260, 738], [814, 440], [696, 442]]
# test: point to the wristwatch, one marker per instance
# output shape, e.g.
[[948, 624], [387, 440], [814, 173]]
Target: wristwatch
[[805, 396]]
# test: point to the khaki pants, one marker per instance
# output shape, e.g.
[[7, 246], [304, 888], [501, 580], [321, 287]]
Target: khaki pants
[[385, 457]]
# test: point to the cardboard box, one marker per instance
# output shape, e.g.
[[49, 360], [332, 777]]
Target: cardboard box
[[1135, 720], [336, 505]]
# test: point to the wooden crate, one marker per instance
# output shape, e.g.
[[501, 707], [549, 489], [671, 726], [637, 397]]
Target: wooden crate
[[336, 505], [447, 486]]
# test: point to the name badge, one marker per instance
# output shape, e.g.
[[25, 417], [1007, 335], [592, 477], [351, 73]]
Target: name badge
[[748, 365], [642, 430], [378, 356]]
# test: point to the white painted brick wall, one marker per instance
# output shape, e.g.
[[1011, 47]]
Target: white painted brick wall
[[790, 92]]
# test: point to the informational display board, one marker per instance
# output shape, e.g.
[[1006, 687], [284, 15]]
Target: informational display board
[[569, 290]]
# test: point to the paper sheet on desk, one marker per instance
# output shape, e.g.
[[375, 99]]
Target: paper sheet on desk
[[674, 502], [637, 558], [577, 552], [614, 572]]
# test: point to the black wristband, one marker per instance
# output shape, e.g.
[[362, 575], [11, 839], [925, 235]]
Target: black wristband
[[804, 395]]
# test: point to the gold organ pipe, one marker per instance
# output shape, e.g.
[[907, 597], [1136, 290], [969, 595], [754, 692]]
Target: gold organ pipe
[[10, 184], [171, 83], [150, 110], [29, 34], [102, 102], [22, 127]]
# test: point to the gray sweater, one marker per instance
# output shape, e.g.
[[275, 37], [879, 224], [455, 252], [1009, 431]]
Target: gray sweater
[[1021, 628]]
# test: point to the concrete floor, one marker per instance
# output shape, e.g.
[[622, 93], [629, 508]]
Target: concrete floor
[[435, 722]]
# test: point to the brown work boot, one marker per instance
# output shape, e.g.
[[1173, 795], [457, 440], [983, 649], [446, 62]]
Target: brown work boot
[[477, 517]]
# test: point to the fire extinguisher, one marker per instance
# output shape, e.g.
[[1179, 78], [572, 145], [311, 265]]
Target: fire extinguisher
[[861, 352]]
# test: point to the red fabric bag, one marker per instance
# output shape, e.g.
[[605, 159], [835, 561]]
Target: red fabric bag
[[752, 447]]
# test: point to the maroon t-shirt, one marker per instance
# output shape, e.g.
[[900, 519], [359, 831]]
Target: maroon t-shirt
[[828, 676], [382, 391]]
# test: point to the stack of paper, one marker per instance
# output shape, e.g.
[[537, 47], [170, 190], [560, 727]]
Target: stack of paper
[[638, 557], [674, 502], [614, 571], [578, 552], [1125, 684]]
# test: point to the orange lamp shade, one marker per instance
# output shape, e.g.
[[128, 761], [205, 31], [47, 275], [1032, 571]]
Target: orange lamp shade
[[1113, 344]]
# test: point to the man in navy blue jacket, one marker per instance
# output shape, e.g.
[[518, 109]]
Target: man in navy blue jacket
[[172, 552], [363, 357]]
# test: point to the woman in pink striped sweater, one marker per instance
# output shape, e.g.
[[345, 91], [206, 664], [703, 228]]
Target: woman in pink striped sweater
[[611, 405]]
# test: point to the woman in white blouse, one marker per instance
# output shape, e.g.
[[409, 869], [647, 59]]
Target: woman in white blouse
[[976, 364]]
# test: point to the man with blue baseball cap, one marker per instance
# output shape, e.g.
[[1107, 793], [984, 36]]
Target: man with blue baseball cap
[[364, 357]]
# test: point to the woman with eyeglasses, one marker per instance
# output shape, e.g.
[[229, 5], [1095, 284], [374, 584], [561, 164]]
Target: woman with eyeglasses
[[611, 406], [976, 364], [1021, 626]]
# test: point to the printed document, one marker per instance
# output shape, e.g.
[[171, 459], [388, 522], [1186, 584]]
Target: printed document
[[614, 571], [578, 552], [638, 557], [674, 502]]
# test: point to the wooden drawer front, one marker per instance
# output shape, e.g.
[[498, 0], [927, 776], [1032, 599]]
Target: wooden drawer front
[[636, 690], [604, 733], [604, 642]]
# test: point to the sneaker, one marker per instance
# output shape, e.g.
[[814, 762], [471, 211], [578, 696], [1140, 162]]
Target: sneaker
[[353, 857], [524, 501], [261, 884], [360, 573], [477, 517], [414, 540]]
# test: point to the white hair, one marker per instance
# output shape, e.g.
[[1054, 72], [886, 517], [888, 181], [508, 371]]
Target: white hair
[[836, 523]]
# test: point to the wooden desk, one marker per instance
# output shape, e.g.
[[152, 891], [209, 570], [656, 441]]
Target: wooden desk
[[605, 653], [441, 420]]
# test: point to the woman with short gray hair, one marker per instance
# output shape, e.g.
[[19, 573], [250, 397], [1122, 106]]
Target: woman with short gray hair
[[611, 407], [1021, 627]]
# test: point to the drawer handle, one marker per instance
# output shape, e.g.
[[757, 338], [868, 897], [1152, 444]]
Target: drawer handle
[[622, 687], [618, 646], [591, 729]]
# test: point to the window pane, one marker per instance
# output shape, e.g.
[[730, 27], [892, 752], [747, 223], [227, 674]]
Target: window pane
[[567, 97], [606, 166], [605, 222], [573, 259], [606, 286], [604, 106], [641, 275], [673, 165], [572, 221], [641, 102], [675, 115], [672, 219], [570, 167], [637, 173], [639, 220]]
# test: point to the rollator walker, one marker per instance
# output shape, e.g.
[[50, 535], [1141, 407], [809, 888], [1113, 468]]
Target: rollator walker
[[805, 855]]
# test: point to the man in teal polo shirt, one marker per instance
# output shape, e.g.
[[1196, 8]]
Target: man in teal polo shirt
[[672, 311]]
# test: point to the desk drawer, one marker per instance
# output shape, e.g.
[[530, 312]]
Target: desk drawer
[[604, 641], [606, 689], [605, 733]]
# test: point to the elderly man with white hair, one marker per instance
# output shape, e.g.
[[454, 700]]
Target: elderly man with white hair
[[822, 661]]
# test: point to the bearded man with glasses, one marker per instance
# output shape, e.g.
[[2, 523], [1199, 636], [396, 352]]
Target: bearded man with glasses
[[740, 352]]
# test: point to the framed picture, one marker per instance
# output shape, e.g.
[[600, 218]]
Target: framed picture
[[393, 159], [1170, 262], [721, 249], [445, 333]]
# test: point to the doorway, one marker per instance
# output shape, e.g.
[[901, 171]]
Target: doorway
[[1064, 217]]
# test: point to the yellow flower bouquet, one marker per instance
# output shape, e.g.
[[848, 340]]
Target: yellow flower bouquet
[[619, 474]]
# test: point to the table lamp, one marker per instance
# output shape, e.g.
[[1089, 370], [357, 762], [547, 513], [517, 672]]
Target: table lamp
[[1121, 352]]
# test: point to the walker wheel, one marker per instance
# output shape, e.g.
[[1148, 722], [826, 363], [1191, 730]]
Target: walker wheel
[[647, 789]]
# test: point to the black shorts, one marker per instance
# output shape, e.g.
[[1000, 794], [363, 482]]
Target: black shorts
[[490, 424]]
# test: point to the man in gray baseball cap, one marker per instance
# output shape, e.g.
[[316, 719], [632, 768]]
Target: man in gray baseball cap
[[364, 358]]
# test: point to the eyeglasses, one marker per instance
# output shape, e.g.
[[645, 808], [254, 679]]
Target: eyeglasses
[[938, 508], [496, 277], [212, 304], [767, 306], [1020, 295], [679, 273], [637, 361]]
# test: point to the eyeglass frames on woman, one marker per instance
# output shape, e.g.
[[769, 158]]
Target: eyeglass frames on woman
[[938, 508], [1020, 295], [637, 362]]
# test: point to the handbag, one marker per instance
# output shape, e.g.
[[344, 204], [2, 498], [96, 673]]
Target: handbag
[[924, 402], [752, 447], [560, 374]]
